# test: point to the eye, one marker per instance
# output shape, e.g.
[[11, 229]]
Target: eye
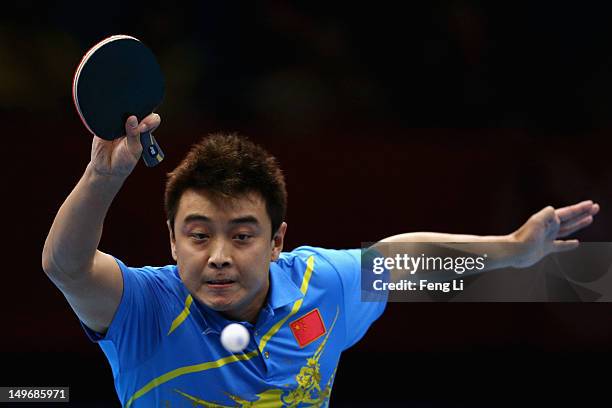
[[198, 236], [242, 237]]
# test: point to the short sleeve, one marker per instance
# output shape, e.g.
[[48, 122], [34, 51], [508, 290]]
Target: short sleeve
[[135, 330], [359, 314]]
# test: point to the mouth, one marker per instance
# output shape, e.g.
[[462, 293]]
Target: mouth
[[220, 283]]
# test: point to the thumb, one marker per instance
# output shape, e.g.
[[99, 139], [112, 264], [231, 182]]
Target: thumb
[[550, 220], [546, 214]]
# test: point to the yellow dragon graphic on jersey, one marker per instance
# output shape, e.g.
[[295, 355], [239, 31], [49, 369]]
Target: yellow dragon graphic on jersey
[[308, 389]]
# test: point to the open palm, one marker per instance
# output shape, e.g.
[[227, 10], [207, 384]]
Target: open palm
[[541, 234]]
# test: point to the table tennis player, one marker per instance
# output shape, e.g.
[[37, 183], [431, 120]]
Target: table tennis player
[[225, 203]]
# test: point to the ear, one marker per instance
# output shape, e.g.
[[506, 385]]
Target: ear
[[278, 240], [172, 241]]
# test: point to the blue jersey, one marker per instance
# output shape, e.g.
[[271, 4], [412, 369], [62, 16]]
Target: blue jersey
[[164, 348]]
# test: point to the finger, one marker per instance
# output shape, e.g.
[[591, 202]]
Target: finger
[[572, 211], [150, 123], [562, 246], [133, 135], [576, 225], [131, 126]]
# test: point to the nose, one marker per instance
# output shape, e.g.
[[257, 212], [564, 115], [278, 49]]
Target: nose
[[220, 256]]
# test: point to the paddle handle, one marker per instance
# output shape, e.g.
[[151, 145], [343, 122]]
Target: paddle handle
[[151, 152]]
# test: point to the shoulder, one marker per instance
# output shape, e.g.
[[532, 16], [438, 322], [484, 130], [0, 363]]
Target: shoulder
[[167, 272], [332, 257], [163, 278], [321, 262]]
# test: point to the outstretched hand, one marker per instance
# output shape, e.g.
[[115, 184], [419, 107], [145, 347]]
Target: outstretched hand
[[541, 234]]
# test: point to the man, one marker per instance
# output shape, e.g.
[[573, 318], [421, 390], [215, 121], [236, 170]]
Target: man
[[225, 203]]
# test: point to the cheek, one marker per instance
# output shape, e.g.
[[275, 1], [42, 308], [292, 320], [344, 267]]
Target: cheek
[[255, 265], [188, 260], [185, 250]]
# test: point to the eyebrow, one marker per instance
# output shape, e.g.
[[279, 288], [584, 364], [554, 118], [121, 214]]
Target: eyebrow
[[247, 219]]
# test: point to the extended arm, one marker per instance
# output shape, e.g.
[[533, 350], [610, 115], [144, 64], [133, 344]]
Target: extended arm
[[90, 279], [538, 237]]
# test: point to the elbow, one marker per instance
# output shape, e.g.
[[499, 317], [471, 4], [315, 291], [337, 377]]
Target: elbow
[[48, 265], [64, 271], [51, 269]]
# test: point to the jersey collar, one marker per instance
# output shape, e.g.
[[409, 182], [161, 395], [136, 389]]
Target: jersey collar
[[283, 290]]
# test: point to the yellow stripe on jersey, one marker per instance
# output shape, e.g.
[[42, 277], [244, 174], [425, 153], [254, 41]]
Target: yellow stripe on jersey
[[182, 316], [189, 370], [296, 306]]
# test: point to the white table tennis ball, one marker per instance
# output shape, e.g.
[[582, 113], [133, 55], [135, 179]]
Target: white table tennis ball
[[235, 337]]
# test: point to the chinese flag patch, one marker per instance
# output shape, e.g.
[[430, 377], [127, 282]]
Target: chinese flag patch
[[308, 328]]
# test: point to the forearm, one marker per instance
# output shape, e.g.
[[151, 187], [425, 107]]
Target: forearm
[[501, 250], [75, 234]]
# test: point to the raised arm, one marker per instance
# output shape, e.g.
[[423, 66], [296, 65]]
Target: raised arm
[[536, 238], [91, 280]]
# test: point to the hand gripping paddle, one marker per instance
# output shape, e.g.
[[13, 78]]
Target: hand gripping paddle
[[117, 78]]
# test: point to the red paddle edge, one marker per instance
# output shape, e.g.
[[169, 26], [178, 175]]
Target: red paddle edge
[[77, 72]]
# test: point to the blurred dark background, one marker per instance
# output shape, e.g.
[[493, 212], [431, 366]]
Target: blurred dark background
[[452, 116]]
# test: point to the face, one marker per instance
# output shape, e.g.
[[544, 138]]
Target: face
[[223, 249]]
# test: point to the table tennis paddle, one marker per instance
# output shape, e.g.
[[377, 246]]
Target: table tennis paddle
[[117, 78]]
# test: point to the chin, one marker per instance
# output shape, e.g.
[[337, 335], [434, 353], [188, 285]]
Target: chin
[[218, 303]]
